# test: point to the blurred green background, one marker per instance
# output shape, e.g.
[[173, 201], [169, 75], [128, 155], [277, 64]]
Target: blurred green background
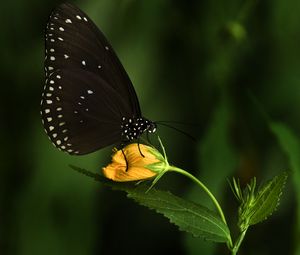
[[231, 67]]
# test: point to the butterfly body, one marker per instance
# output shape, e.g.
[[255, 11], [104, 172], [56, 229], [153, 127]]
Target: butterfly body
[[88, 101]]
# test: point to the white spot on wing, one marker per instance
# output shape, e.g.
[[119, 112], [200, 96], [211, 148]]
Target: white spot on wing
[[68, 21], [90, 92]]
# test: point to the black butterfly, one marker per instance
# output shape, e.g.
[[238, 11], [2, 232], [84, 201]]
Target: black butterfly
[[88, 101]]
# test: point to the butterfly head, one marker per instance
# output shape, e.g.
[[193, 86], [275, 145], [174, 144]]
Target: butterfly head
[[151, 127]]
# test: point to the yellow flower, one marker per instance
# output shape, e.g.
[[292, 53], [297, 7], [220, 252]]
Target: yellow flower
[[139, 167]]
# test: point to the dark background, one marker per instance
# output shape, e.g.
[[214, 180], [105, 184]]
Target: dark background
[[200, 62]]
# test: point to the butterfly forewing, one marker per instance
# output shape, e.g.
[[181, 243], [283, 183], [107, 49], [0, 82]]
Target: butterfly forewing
[[87, 91], [74, 41]]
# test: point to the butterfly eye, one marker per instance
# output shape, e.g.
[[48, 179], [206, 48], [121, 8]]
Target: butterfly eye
[[88, 100]]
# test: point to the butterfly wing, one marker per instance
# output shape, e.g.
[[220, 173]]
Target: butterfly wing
[[74, 41], [80, 111], [87, 90]]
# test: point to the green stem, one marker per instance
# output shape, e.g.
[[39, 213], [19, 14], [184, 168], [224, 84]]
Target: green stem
[[198, 182], [238, 242], [207, 191]]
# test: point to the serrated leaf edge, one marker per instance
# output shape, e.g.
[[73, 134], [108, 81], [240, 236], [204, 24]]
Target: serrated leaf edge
[[282, 183], [225, 237]]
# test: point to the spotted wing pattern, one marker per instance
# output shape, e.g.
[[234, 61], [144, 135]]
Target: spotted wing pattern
[[87, 91]]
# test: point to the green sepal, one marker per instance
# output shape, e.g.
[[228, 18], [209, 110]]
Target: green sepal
[[156, 154], [157, 167]]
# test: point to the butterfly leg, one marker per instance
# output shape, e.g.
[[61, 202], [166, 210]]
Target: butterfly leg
[[140, 148], [125, 160]]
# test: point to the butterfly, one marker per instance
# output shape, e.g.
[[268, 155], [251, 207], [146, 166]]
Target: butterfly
[[88, 101]]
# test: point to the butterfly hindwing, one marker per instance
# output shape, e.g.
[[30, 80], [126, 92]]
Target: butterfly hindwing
[[81, 112]]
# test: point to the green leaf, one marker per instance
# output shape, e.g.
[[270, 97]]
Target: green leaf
[[290, 144], [267, 199], [188, 216]]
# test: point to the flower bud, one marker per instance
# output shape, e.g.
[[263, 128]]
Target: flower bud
[[139, 166]]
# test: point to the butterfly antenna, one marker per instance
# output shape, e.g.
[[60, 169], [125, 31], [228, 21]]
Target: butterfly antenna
[[177, 129], [177, 122]]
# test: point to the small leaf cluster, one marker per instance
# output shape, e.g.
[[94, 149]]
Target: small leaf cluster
[[257, 205]]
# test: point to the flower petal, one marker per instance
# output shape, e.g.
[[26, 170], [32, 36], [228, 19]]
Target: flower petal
[[137, 164]]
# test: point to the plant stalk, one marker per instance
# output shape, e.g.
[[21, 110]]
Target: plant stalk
[[206, 190], [238, 242]]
